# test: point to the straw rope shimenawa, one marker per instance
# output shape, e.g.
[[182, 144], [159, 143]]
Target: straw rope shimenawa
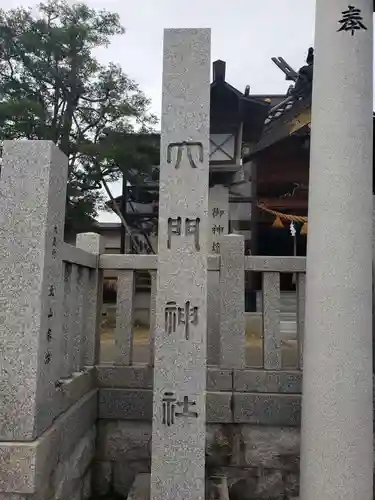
[[279, 217]]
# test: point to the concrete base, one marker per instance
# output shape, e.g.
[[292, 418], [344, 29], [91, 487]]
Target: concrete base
[[257, 461], [141, 488], [216, 488], [56, 466]]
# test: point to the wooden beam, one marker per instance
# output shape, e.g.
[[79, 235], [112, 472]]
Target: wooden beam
[[284, 203], [283, 176]]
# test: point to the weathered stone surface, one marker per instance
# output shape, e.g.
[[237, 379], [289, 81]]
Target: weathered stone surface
[[270, 485], [218, 201], [153, 277], [76, 323], [73, 390], [217, 488], [266, 264], [271, 321], [141, 377], [267, 409], [125, 473], [124, 317], [232, 301], [245, 445], [93, 243], [266, 447], [291, 485], [218, 447], [101, 478], [124, 377], [180, 347], [244, 489], [141, 488], [218, 407], [337, 423], [87, 485], [267, 381], [301, 306], [130, 404], [31, 234], [13, 496], [27, 467], [17, 467], [133, 404], [257, 455], [219, 380], [76, 495], [123, 440], [76, 422], [213, 317], [69, 475]]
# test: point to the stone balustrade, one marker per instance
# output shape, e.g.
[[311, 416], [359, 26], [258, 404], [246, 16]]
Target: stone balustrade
[[228, 342]]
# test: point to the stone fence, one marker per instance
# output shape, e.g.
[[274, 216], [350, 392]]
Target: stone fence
[[227, 343], [59, 407], [226, 312]]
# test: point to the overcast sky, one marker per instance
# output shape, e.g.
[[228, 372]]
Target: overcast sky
[[245, 34]]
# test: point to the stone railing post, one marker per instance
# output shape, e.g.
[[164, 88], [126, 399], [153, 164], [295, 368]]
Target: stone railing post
[[32, 212], [93, 243], [153, 276], [232, 302], [213, 318], [272, 354], [124, 317], [301, 305]]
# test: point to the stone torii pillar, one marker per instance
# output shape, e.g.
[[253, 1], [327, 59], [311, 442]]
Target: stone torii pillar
[[337, 414]]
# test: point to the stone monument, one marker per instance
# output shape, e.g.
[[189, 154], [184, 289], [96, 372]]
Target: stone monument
[[32, 214], [179, 418]]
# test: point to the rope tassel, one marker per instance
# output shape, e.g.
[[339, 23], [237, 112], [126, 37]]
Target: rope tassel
[[279, 216], [278, 223]]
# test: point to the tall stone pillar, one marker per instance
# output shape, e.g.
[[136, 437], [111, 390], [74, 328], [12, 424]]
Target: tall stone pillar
[[179, 418], [337, 428]]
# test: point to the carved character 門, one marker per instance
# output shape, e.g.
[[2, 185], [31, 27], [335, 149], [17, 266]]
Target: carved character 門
[[191, 228], [174, 227]]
